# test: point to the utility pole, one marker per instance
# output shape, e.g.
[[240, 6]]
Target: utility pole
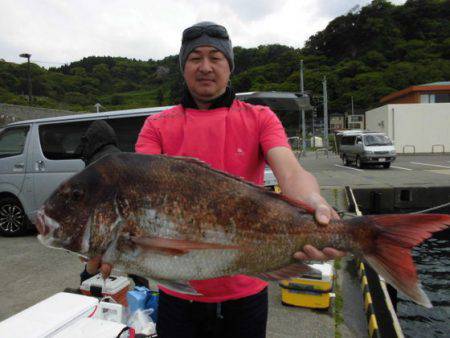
[[313, 127], [302, 92], [27, 56], [325, 112], [352, 105]]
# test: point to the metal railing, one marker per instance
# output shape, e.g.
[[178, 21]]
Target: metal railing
[[437, 145], [409, 146]]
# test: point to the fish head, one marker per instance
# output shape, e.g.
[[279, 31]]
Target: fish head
[[81, 214]]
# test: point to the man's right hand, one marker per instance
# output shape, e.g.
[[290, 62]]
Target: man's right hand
[[95, 265]]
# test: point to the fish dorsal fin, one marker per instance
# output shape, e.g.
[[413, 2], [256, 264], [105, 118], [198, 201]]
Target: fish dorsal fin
[[297, 203]]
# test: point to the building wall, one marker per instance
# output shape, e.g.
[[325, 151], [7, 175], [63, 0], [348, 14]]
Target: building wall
[[377, 120], [418, 125], [10, 113]]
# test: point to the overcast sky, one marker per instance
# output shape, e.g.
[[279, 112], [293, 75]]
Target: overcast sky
[[61, 31]]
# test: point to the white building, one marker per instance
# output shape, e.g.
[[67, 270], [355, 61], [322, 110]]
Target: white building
[[419, 127]]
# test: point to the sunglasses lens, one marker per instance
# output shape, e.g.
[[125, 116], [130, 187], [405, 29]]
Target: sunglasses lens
[[192, 33], [212, 31], [217, 32]]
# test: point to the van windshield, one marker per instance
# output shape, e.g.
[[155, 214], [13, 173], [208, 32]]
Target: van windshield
[[377, 140]]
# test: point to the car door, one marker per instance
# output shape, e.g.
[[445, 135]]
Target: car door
[[13, 157], [56, 156], [358, 147]]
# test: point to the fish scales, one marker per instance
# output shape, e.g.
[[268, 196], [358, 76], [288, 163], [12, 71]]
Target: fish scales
[[177, 219]]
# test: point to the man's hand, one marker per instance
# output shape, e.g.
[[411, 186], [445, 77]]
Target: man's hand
[[323, 214], [95, 265]]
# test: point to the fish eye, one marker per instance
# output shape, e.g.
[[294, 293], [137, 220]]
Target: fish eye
[[77, 194]]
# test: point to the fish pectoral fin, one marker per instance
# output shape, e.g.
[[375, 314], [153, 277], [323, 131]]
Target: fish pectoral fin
[[179, 286], [290, 271], [176, 247]]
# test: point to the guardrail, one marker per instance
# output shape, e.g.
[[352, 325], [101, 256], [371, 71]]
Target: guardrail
[[437, 145], [409, 146]]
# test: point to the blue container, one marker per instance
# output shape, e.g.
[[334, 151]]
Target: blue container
[[137, 298], [152, 303]]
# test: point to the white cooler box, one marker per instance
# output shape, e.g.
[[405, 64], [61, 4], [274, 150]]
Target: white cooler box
[[48, 317]]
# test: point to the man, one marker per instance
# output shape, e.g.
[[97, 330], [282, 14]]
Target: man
[[237, 138]]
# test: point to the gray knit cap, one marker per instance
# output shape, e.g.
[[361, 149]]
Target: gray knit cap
[[224, 45]]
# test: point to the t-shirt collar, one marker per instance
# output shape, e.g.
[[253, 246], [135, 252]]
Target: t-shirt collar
[[225, 100]]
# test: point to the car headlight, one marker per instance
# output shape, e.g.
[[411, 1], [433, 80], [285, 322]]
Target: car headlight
[[392, 152]]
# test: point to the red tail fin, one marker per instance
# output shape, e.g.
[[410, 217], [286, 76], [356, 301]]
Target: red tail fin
[[391, 254]]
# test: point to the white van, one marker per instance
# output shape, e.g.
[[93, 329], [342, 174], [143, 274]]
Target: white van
[[364, 147], [37, 155]]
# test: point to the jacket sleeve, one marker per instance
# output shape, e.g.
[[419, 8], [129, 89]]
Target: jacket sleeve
[[272, 133], [149, 139]]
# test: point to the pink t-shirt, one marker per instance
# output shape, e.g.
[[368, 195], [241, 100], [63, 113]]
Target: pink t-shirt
[[235, 140]]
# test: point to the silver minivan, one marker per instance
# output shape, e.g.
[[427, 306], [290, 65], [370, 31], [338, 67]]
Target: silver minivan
[[364, 148], [37, 155]]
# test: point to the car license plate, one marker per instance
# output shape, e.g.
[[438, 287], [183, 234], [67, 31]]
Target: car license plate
[[382, 159]]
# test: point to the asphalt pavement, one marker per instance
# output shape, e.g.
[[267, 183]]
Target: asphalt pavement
[[405, 171]]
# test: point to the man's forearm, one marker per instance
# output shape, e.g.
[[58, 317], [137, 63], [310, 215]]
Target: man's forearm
[[299, 184]]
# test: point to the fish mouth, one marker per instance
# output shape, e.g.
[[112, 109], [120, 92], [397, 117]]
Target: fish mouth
[[47, 227]]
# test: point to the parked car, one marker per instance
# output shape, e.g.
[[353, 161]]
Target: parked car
[[37, 155], [364, 148]]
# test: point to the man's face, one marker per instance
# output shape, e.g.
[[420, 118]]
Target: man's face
[[206, 73]]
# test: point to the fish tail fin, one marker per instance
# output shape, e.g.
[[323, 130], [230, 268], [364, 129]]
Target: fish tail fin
[[390, 255]]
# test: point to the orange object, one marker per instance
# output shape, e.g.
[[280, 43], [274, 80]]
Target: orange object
[[114, 286]]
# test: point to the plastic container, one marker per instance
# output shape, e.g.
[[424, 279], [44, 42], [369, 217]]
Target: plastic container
[[113, 286], [49, 316], [142, 298], [309, 290]]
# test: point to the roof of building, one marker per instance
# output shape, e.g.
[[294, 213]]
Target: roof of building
[[434, 86]]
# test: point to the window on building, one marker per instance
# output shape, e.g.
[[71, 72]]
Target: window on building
[[441, 98]]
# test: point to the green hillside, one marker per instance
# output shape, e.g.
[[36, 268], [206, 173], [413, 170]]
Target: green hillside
[[367, 54]]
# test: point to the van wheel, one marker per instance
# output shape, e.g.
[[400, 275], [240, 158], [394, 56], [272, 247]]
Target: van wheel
[[359, 163], [386, 165], [345, 160], [13, 221]]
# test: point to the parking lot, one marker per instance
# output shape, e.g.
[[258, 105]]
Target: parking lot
[[405, 171]]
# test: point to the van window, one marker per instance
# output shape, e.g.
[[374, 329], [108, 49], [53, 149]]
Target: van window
[[348, 140], [12, 141], [127, 130], [377, 140], [61, 141]]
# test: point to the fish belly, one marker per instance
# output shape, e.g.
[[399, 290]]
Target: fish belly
[[195, 265]]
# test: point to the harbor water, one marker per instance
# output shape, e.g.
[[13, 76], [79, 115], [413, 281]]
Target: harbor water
[[432, 260]]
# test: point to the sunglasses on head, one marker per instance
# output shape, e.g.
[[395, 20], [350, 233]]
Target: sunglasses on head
[[214, 31]]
